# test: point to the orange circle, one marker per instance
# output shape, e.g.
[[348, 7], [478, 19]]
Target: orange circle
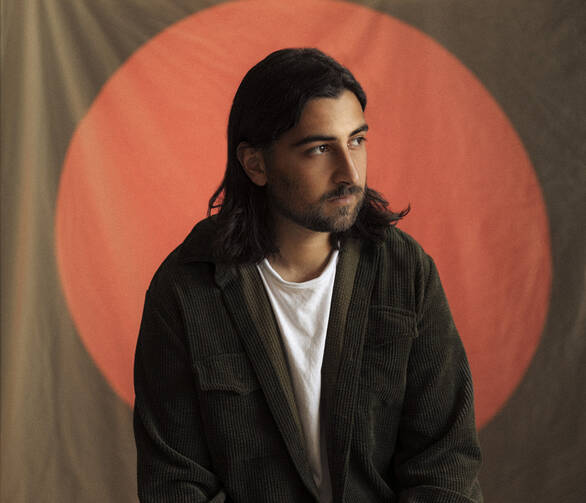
[[144, 161]]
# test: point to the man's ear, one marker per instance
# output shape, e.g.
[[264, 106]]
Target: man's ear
[[253, 163]]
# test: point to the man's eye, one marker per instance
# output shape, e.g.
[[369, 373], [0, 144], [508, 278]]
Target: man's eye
[[357, 141], [319, 149]]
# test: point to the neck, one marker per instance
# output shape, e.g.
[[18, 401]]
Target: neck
[[303, 254]]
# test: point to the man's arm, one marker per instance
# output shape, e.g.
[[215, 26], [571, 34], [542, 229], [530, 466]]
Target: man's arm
[[437, 456], [173, 459]]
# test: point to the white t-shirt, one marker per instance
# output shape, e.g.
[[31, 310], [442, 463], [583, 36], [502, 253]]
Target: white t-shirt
[[302, 311]]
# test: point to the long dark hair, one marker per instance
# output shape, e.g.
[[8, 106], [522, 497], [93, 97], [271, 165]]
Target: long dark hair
[[269, 102]]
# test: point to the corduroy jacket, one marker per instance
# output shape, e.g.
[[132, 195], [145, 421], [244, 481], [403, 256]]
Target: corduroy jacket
[[215, 416]]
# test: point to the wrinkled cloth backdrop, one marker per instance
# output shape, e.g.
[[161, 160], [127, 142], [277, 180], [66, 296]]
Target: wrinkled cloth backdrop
[[113, 138]]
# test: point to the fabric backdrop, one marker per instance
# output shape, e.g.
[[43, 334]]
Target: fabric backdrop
[[113, 138]]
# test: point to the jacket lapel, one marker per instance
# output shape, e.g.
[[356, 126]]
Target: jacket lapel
[[258, 329], [343, 356]]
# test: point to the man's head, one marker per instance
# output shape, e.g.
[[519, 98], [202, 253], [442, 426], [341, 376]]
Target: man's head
[[283, 101], [307, 102]]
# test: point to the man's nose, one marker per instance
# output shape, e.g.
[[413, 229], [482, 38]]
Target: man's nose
[[347, 170]]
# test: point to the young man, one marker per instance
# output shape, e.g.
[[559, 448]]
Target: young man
[[297, 347]]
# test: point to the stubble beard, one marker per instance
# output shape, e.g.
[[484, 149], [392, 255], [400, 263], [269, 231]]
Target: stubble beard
[[314, 217]]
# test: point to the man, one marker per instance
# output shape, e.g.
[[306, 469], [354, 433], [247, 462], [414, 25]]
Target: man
[[297, 347]]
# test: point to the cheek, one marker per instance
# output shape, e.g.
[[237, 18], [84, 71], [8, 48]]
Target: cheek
[[361, 162], [284, 187]]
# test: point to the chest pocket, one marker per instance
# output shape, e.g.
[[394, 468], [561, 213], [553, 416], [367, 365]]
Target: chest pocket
[[227, 372], [389, 336], [234, 410]]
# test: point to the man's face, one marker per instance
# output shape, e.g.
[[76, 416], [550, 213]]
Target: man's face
[[316, 171]]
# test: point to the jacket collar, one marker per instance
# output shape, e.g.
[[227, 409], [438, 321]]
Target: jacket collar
[[197, 245], [343, 355]]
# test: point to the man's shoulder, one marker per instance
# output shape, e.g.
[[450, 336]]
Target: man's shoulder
[[399, 237], [399, 243], [405, 256], [196, 247]]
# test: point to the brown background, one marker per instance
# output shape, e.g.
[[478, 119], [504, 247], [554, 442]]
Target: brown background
[[65, 436]]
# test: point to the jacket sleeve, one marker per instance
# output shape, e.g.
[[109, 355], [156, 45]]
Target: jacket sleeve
[[173, 462], [437, 457]]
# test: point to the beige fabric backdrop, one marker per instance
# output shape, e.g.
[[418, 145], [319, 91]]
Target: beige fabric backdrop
[[67, 436]]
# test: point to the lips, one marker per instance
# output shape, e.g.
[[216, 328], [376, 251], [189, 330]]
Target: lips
[[343, 193], [341, 199]]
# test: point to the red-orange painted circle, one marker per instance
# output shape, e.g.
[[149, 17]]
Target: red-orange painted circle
[[151, 150]]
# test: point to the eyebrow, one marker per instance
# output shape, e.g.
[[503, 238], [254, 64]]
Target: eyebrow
[[317, 137]]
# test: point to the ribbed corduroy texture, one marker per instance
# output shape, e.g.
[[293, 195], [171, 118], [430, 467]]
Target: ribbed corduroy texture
[[214, 419]]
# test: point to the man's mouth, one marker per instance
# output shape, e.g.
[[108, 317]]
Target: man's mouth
[[343, 194], [341, 199]]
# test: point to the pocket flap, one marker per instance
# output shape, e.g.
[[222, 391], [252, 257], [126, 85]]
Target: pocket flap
[[227, 372], [386, 323]]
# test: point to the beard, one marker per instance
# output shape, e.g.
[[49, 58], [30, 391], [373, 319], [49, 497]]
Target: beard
[[314, 216]]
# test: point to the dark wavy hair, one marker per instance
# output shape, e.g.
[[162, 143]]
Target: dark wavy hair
[[269, 102]]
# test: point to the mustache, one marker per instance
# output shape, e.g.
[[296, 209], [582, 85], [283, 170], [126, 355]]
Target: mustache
[[343, 191]]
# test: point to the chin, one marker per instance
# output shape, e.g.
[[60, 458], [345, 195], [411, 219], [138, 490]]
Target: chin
[[342, 223], [342, 226], [319, 221]]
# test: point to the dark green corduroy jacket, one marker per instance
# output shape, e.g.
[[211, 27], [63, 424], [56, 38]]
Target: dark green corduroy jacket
[[215, 417]]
